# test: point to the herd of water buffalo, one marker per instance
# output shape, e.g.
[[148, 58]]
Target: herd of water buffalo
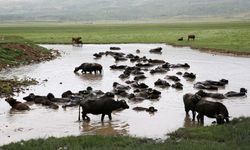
[[99, 102]]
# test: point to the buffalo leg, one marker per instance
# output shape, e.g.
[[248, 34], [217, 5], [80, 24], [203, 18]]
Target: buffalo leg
[[102, 117], [110, 117], [87, 118], [193, 112], [199, 118], [83, 116], [186, 110]]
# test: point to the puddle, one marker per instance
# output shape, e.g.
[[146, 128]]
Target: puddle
[[42, 122]]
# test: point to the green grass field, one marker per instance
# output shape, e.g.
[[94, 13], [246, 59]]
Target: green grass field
[[223, 37], [235, 135]]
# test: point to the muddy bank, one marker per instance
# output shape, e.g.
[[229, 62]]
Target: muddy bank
[[8, 87], [16, 51]]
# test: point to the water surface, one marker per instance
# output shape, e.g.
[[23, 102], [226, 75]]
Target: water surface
[[42, 122]]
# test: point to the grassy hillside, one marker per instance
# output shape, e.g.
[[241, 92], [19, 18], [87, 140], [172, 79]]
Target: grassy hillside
[[235, 135], [16, 50], [223, 37], [95, 10]]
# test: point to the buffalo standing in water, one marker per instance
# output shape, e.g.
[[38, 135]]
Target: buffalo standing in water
[[103, 106], [89, 67]]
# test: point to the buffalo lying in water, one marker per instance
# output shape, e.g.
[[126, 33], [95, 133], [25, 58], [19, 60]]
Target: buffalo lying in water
[[242, 92], [44, 100], [16, 104], [212, 95]]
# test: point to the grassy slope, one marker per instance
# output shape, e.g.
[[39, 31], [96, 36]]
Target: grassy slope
[[235, 135], [225, 36], [16, 50]]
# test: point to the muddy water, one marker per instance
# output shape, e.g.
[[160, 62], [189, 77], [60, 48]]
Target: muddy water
[[42, 122]]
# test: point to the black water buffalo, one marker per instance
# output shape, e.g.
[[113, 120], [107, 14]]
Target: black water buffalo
[[16, 104], [148, 93], [98, 55], [180, 39], [151, 109], [156, 61], [191, 36], [199, 85], [159, 70], [76, 41], [44, 100], [242, 92], [156, 50], [52, 98], [135, 98], [212, 110], [212, 95], [120, 67], [103, 106], [177, 85], [173, 78], [115, 48], [89, 67], [139, 85], [190, 101], [189, 75], [118, 58], [162, 83], [185, 65], [139, 77]]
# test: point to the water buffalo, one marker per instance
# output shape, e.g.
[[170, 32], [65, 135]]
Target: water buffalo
[[16, 104], [185, 65], [212, 95], [115, 48], [139, 85], [44, 100], [156, 50], [190, 101], [191, 36], [52, 98], [242, 92], [177, 85], [89, 67], [151, 109], [212, 110], [76, 41], [159, 70], [120, 67], [189, 75], [162, 83], [180, 39], [103, 106], [199, 85], [173, 78], [118, 58], [156, 61], [139, 77]]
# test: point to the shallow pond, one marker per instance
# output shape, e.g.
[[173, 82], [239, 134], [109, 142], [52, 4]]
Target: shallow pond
[[43, 122]]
